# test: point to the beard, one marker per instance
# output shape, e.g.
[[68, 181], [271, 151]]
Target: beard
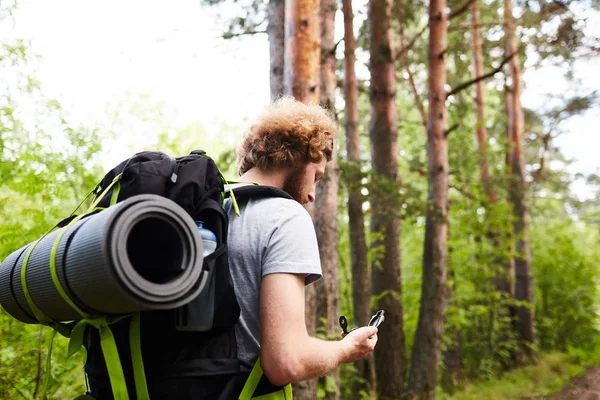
[[293, 185]]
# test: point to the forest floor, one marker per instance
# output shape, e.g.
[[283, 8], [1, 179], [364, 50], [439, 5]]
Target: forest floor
[[556, 376], [584, 387]]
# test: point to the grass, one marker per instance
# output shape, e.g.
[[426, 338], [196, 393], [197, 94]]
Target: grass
[[547, 376]]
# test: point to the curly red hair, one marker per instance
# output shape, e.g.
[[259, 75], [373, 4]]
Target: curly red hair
[[287, 133]]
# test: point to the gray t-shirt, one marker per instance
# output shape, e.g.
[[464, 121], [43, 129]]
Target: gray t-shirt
[[272, 235]]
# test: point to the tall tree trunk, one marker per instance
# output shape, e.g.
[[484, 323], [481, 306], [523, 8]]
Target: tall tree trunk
[[503, 269], [517, 191], [307, 390], [302, 50], [361, 285], [301, 80], [276, 33], [452, 374], [481, 130], [503, 279], [326, 203], [385, 222], [426, 350]]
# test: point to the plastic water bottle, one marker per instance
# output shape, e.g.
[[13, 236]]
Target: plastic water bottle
[[208, 238]]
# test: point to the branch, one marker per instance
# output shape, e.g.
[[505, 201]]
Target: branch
[[413, 86], [465, 85], [460, 10], [451, 129], [411, 42], [336, 45], [230, 35], [462, 191], [470, 26], [537, 174]]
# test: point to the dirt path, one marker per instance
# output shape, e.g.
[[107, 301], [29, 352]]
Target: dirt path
[[585, 387]]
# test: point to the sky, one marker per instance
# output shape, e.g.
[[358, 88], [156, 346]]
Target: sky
[[93, 52]]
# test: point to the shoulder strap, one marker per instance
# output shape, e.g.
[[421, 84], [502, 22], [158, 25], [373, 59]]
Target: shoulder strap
[[258, 191]]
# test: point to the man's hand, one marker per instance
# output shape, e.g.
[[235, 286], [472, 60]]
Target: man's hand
[[359, 343], [288, 354]]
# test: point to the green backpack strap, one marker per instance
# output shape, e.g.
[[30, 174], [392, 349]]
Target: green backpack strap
[[135, 344], [252, 383]]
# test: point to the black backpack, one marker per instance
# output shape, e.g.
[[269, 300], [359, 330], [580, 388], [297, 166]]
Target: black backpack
[[189, 352]]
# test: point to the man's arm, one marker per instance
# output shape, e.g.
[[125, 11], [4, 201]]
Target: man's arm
[[288, 353]]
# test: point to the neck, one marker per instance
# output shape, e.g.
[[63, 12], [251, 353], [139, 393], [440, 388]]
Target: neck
[[266, 178]]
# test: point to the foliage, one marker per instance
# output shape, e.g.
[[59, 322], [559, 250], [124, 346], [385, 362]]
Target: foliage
[[567, 277], [47, 166], [535, 381]]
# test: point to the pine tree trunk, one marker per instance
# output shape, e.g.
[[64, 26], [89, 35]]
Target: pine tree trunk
[[385, 222], [307, 390], [452, 373], [428, 337], [302, 50], [276, 33], [326, 203], [503, 268], [503, 280], [301, 80], [481, 130], [361, 285], [517, 192]]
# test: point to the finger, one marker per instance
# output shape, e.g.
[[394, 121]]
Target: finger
[[372, 330]]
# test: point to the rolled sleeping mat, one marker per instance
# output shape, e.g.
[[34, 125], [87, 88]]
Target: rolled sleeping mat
[[141, 254]]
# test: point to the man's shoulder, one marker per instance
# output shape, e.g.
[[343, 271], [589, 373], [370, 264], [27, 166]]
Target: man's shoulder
[[277, 207]]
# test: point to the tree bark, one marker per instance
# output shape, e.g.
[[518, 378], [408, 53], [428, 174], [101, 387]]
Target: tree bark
[[276, 34], [307, 390], [361, 285], [301, 80], [502, 268], [517, 192], [481, 130], [428, 336], [302, 50], [453, 374], [326, 203], [385, 223], [503, 279]]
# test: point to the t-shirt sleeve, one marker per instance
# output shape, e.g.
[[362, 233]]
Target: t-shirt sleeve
[[292, 243]]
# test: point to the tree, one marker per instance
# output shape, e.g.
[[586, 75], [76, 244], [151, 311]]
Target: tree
[[361, 287], [385, 223], [276, 33], [301, 80], [426, 350], [302, 50], [326, 203], [517, 189], [480, 128]]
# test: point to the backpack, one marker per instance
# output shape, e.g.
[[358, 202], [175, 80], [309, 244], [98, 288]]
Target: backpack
[[189, 352]]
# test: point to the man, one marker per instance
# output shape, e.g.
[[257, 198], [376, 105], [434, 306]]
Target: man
[[273, 251]]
